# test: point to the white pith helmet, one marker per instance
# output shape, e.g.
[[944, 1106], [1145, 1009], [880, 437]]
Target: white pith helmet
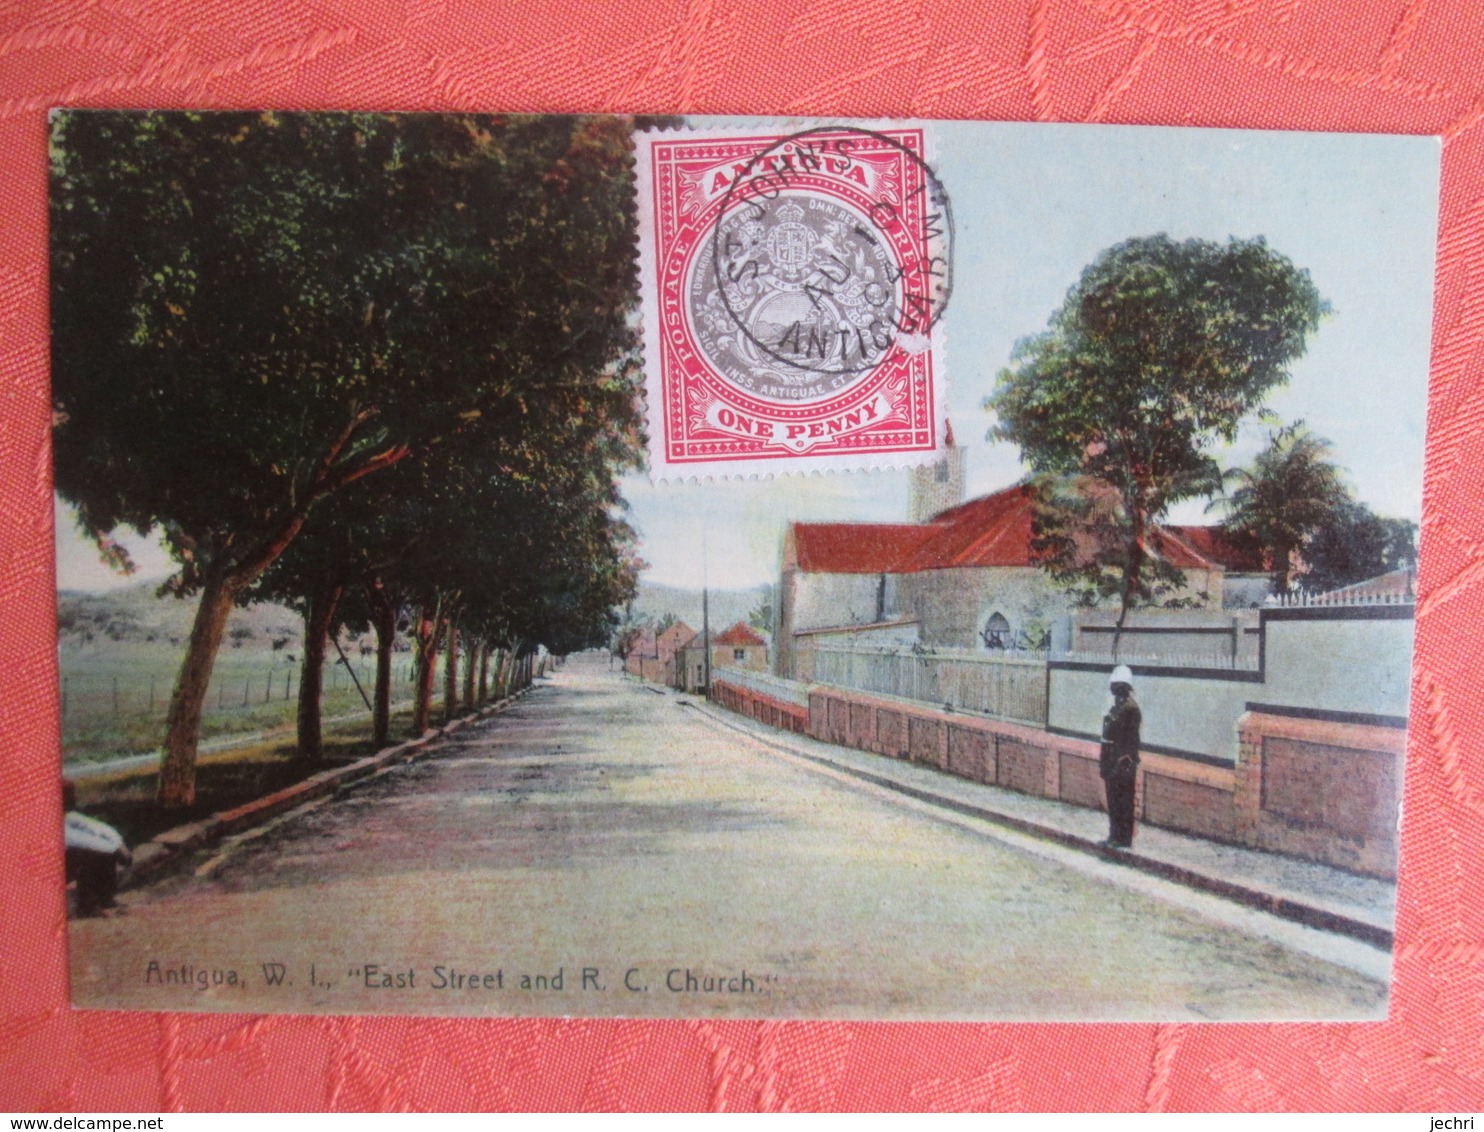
[[1121, 675]]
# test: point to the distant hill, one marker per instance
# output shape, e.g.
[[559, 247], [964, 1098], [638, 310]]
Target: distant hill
[[727, 606], [134, 615]]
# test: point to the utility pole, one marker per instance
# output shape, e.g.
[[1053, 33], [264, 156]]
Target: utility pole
[[706, 609]]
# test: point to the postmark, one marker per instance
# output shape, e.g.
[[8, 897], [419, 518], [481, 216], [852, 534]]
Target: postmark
[[793, 287]]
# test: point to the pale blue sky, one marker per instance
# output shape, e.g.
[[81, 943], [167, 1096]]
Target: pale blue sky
[[1033, 204]]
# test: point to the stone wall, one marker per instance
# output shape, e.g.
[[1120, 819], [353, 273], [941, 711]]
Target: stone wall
[[953, 605], [826, 600]]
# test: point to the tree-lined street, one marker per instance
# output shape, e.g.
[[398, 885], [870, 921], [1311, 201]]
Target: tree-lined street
[[600, 825]]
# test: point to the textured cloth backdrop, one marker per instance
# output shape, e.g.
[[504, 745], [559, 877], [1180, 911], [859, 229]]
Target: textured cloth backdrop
[[1365, 65]]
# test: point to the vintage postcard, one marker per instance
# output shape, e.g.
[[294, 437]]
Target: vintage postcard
[[685, 567]]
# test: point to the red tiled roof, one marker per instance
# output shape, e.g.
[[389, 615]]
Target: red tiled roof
[[1214, 543], [738, 635], [993, 530], [854, 548], [1178, 552]]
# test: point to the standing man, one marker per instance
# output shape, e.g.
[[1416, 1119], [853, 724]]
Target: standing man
[[1118, 759]]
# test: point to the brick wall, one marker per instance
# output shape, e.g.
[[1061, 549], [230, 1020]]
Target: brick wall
[[972, 753], [1178, 803], [759, 706], [1319, 789], [1322, 791], [1080, 782]]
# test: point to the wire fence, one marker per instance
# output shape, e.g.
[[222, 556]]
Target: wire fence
[[130, 690], [119, 705]]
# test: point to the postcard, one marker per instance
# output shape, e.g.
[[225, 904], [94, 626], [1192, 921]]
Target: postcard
[[776, 568]]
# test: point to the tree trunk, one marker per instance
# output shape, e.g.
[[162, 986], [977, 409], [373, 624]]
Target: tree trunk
[[471, 651], [1283, 567], [177, 788], [429, 632], [1132, 571], [385, 623], [484, 672], [318, 620], [451, 673]]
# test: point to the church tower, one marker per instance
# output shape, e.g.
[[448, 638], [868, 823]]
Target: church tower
[[938, 486]]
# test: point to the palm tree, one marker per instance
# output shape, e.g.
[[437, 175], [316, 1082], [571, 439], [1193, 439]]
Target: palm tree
[[1291, 490]]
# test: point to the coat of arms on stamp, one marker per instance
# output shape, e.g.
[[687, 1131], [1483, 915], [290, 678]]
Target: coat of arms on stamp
[[792, 288]]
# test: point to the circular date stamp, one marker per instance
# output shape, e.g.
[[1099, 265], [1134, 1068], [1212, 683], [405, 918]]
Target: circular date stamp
[[792, 283]]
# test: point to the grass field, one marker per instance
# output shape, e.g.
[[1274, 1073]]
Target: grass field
[[115, 694]]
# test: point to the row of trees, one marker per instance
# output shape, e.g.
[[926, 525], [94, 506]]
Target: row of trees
[[1159, 353], [382, 368]]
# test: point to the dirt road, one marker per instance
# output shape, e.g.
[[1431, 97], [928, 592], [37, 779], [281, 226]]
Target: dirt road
[[604, 849]]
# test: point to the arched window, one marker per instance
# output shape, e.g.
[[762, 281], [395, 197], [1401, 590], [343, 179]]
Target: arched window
[[996, 632]]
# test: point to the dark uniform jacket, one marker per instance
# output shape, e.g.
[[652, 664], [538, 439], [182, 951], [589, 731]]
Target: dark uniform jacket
[[1120, 750]]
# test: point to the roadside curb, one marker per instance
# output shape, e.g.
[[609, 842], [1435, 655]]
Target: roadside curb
[[151, 856], [1283, 907]]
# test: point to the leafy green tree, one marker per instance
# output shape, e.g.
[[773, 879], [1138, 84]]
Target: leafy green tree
[[761, 616], [252, 312], [1355, 544], [510, 554], [1291, 491], [322, 575], [1079, 536], [1159, 351]]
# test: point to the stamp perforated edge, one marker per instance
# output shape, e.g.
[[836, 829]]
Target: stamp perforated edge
[[660, 468]]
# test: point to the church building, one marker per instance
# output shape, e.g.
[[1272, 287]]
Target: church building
[[960, 575]]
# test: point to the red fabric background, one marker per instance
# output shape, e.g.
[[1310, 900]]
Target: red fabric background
[[1373, 65]]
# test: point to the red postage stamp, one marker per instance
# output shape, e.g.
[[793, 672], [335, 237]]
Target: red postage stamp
[[793, 283]]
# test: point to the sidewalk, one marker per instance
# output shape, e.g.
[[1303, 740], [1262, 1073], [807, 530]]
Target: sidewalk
[[1318, 896]]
